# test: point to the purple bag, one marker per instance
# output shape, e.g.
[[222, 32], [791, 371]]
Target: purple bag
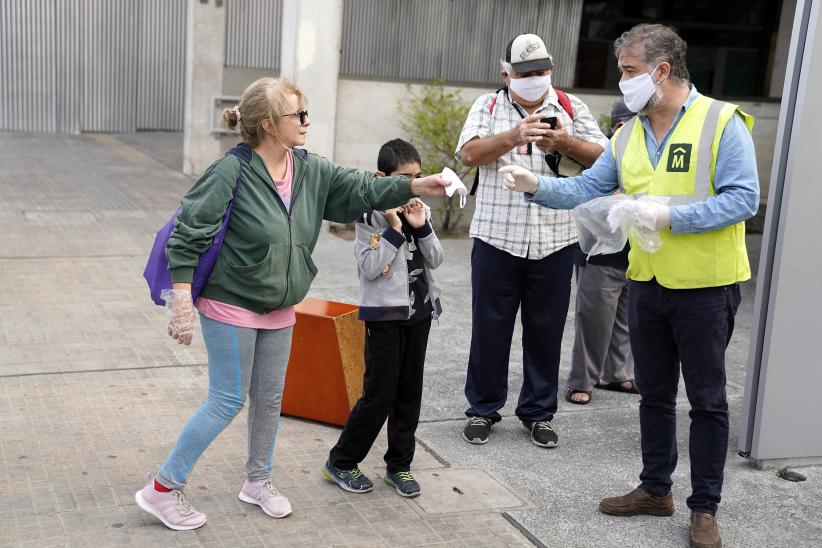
[[157, 273]]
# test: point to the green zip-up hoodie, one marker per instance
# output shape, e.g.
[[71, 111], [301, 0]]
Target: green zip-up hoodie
[[265, 261]]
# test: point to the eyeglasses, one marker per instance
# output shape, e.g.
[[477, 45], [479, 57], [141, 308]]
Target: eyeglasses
[[302, 115]]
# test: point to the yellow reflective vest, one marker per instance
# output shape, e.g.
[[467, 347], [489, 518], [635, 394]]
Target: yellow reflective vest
[[685, 173]]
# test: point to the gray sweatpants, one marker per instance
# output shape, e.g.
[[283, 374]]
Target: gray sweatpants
[[602, 350]]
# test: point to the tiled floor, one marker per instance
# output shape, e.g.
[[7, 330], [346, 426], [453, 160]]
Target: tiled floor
[[92, 395]]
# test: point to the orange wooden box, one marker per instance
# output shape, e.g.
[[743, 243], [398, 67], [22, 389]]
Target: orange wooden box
[[325, 369]]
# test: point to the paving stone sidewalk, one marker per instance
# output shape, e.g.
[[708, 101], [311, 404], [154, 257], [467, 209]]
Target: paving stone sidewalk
[[92, 394]]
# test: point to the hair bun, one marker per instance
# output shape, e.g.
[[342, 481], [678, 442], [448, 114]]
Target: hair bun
[[230, 119]]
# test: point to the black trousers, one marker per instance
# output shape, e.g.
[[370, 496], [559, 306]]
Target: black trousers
[[500, 283], [394, 360], [691, 327]]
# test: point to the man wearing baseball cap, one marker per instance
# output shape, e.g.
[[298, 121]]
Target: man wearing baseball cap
[[522, 255]]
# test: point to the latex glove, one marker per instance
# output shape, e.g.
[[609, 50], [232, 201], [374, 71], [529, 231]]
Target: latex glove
[[644, 215], [180, 312], [519, 179], [621, 215], [652, 216]]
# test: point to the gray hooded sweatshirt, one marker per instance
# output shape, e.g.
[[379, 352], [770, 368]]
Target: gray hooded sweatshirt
[[382, 265]]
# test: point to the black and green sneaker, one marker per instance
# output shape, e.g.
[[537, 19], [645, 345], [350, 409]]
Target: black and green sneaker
[[404, 483], [352, 481]]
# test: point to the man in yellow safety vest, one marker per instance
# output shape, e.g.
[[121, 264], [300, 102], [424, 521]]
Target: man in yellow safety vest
[[697, 155]]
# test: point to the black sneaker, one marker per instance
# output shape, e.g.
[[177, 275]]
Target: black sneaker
[[476, 430], [403, 482], [542, 433]]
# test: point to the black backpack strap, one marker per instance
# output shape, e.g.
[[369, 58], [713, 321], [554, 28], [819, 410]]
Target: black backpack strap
[[476, 182]]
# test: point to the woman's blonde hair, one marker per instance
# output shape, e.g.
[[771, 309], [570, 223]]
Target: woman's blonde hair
[[267, 98]]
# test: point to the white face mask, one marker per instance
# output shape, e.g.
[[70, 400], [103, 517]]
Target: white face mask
[[638, 90], [531, 88]]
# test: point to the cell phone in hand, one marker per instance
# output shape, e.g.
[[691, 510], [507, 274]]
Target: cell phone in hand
[[550, 120]]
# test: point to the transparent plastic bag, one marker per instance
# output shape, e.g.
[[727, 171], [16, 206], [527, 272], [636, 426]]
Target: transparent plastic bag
[[596, 235], [605, 223], [649, 242]]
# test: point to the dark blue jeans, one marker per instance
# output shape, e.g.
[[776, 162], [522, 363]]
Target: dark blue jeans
[[691, 327], [500, 283]]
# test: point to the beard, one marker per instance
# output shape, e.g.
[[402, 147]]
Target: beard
[[652, 103]]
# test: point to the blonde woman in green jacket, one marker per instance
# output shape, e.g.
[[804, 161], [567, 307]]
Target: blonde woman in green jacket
[[264, 268]]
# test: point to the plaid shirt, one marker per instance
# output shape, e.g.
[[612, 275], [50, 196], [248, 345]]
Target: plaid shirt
[[502, 218]]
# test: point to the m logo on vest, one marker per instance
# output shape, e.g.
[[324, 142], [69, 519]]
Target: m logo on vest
[[679, 157]]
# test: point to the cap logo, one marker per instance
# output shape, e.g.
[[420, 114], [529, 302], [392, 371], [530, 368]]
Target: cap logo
[[531, 48]]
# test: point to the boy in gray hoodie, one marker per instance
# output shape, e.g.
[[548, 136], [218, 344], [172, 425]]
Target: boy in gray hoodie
[[396, 251]]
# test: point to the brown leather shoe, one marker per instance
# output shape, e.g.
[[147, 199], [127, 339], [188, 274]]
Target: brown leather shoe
[[704, 532], [638, 502]]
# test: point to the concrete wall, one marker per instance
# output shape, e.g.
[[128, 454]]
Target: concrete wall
[[367, 117], [352, 118]]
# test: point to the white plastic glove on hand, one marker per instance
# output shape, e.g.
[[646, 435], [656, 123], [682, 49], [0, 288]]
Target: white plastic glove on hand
[[645, 215], [180, 312], [652, 216], [519, 179]]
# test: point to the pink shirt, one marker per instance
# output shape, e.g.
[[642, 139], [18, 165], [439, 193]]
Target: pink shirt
[[236, 315]]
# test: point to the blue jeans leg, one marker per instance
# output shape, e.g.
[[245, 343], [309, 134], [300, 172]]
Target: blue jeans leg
[[228, 347], [702, 353], [656, 370]]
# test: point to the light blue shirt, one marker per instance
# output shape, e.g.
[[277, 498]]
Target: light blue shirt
[[736, 181]]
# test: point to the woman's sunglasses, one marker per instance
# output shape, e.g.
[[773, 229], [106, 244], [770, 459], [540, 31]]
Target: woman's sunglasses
[[302, 115]]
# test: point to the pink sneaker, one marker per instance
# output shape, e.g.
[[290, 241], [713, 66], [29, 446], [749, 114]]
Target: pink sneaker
[[171, 508], [266, 496]]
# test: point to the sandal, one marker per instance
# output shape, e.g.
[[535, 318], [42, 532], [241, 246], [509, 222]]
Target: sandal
[[618, 386], [571, 392]]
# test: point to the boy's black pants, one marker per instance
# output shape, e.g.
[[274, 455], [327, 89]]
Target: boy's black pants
[[394, 359]]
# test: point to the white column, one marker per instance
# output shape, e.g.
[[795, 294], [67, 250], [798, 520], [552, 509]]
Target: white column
[[205, 58], [312, 38], [288, 39], [782, 405]]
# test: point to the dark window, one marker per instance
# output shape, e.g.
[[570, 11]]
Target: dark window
[[730, 42]]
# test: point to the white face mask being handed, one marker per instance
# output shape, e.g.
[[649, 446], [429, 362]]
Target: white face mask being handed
[[530, 88], [638, 90]]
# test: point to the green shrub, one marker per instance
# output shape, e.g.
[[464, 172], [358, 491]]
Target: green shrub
[[432, 117]]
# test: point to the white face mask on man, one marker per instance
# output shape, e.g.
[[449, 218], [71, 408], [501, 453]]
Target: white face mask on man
[[530, 88], [638, 90]]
